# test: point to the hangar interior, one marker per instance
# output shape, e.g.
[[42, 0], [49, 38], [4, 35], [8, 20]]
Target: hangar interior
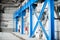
[[9, 28]]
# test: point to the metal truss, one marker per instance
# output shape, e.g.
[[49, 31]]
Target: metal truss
[[21, 13]]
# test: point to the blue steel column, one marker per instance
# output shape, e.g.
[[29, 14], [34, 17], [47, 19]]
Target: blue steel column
[[16, 24], [22, 23], [51, 19], [31, 20]]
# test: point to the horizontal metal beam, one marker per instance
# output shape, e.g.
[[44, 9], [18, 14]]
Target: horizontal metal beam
[[20, 10]]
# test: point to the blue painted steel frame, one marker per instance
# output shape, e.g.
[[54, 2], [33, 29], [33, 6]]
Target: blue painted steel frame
[[20, 10], [49, 37], [22, 23], [32, 31], [41, 13], [51, 18], [31, 20]]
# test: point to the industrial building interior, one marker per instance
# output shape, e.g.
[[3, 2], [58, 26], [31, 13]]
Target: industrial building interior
[[8, 24]]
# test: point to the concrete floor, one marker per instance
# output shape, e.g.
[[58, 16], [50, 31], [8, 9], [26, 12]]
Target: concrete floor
[[8, 36], [14, 36]]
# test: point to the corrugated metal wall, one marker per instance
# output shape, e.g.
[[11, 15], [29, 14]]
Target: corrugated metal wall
[[7, 19]]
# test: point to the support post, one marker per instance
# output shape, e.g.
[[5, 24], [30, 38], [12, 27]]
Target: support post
[[16, 24], [22, 23], [31, 20], [51, 19]]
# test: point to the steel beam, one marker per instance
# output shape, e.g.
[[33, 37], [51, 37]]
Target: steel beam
[[22, 27], [33, 31], [16, 24], [51, 19], [31, 20], [43, 29], [22, 22], [20, 10]]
